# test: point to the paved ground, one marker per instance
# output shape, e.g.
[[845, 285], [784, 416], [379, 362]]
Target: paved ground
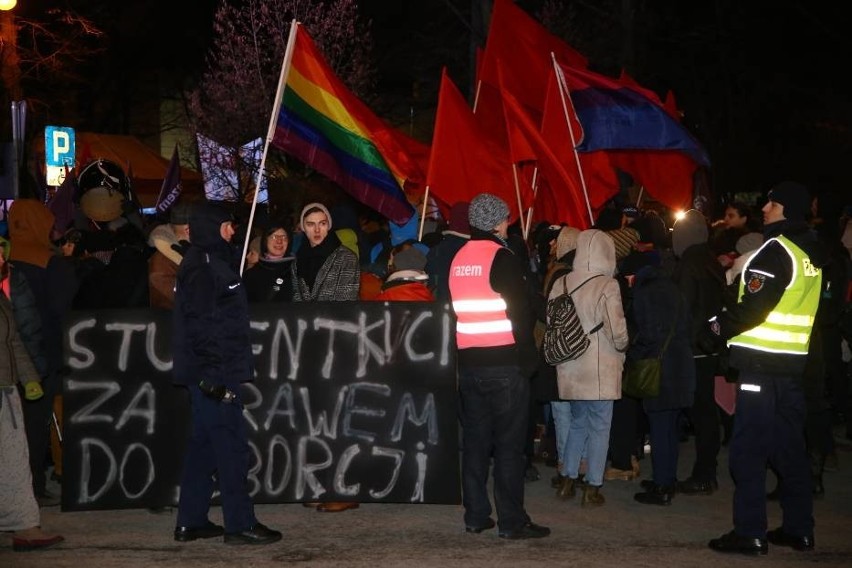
[[622, 533]]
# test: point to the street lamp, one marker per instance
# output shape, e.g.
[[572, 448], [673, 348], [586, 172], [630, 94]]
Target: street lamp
[[8, 4]]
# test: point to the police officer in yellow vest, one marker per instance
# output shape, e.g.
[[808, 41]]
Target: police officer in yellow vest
[[496, 358], [768, 332]]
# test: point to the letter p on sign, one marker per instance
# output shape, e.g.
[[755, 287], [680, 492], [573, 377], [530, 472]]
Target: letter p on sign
[[59, 151]]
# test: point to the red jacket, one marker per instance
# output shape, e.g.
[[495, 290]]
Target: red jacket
[[405, 286]]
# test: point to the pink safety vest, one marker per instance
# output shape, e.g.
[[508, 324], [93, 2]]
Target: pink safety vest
[[480, 311]]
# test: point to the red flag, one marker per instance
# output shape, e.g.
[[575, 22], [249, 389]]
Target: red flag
[[671, 106], [638, 134], [667, 175], [464, 162], [523, 47], [562, 136], [570, 201], [170, 191], [631, 83]]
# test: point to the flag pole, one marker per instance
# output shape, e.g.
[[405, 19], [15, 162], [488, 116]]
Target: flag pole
[[564, 94], [518, 195], [534, 185], [276, 106], [476, 96], [423, 214]]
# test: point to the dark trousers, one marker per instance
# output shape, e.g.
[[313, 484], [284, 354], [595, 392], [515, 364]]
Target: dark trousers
[[217, 445], [704, 415], [494, 406], [769, 429], [664, 445], [624, 433]]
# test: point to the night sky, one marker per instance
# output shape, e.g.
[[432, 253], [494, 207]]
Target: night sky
[[760, 84]]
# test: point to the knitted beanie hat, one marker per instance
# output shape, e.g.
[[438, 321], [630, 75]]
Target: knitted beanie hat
[[487, 211], [310, 206], [794, 197], [409, 259]]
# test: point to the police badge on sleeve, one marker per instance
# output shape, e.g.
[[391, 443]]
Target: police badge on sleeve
[[755, 282]]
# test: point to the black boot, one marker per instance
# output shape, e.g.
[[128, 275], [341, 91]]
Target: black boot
[[656, 495]]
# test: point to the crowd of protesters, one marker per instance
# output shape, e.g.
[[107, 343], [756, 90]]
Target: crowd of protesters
[[655, 276]]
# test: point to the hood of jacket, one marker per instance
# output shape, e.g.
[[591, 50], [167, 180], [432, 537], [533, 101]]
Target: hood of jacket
[[595, 253], [162, 237], [30, 224], [205, 225]]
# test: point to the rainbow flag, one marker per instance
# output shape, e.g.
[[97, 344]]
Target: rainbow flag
[[323, 124]]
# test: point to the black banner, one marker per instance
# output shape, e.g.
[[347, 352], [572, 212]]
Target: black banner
[[351, 401]]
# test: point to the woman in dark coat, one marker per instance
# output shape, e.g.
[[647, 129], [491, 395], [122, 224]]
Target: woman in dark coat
[[271, 279], [657, 306]]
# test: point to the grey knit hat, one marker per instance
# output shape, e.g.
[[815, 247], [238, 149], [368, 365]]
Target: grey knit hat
[[487, 211], [314, 206], [409, 259]]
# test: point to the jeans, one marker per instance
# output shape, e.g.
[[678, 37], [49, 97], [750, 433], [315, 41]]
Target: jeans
[[590, 423], [494, 407], [561, 410]]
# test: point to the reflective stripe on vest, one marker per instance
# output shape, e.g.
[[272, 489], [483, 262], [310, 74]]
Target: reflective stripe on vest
[[480, 311], [787, 328]]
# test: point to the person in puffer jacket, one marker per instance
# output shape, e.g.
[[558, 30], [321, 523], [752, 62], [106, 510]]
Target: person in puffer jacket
[[212, 356]]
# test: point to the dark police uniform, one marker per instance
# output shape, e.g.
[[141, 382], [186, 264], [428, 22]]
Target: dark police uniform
[[768, 332], [212, 356]]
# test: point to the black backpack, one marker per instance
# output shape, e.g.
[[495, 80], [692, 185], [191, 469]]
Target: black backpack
[[564, 337]]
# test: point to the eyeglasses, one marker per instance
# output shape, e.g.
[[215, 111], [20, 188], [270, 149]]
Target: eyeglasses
[[278, 237]]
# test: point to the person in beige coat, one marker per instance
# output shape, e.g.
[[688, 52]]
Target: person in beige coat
[[593, 381]]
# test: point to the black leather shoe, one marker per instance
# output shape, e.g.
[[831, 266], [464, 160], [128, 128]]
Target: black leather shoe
[[693, 486], [489, 524], [736, 544], [781, 538], [258, 534], [527, 530], [648, 484], [186, 534], [659, 495]]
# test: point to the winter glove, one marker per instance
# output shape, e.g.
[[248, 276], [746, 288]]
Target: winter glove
[[709, 340], [32, 390]]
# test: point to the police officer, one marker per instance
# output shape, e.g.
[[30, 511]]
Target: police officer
[[496, 357], [768, 331], [212, 356]]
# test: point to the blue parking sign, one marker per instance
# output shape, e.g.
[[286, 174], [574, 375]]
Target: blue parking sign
[[59, 147], [59, 153]]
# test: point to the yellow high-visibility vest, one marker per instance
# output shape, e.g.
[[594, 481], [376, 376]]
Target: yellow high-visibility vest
[[787, 328]]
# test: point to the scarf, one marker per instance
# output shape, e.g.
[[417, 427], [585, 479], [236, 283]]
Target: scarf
[[309, 260]]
